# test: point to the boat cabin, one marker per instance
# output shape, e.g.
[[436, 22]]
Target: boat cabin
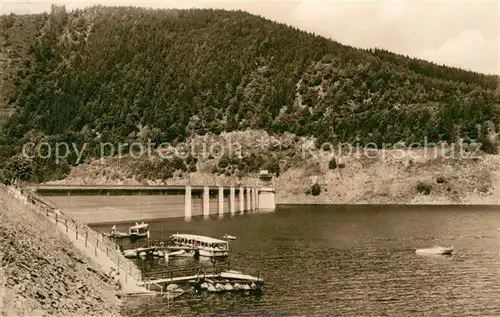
[[199, 242], [139, 229]]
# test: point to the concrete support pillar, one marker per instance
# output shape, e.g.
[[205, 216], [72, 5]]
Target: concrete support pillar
[[206, 201], [232, 200], [253, 198], [242, 199], [257, 198], [267, 199], [249, 199], [220, 198], [256, 193], [187, 203]]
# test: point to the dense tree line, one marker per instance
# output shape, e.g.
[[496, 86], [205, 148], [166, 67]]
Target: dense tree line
[[111, 74]]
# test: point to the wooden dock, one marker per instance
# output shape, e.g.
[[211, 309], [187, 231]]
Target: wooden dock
[[236, 277], [196, 275]]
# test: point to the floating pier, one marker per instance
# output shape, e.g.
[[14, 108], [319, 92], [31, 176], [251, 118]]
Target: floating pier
[[214, 278]]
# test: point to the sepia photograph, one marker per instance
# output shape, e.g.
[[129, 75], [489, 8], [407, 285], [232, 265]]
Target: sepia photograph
[[230, 158]]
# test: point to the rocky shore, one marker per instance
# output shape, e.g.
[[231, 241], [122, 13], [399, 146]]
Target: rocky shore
[[43, 274], [429, 181]]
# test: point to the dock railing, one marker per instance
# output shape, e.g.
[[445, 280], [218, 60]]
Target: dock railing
[[22, 198]]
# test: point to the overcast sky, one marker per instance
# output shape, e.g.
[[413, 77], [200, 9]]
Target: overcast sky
[[458, 33]]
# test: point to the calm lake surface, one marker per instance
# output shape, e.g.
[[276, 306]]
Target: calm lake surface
[[348, 261]]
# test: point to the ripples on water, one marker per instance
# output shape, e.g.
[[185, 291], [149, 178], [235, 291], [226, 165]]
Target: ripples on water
[[350, 261]]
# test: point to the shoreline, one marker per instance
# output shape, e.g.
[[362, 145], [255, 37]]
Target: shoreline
[[393, 204], [415, 201]]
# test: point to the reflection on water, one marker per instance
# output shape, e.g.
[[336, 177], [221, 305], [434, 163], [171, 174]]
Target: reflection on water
[[350, 261]]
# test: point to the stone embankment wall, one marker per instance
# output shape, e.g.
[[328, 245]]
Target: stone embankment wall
[[56, 266]]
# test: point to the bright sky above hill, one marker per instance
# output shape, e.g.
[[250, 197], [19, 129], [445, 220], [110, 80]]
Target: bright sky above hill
[[458, 33]]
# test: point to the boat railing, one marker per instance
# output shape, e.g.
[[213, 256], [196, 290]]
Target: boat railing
[[164, 243], [92, 239]]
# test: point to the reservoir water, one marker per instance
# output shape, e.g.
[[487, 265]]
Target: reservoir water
[[348, 261]]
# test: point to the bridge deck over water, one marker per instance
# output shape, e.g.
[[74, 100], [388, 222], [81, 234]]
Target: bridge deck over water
[[250, 197], [47, 190]]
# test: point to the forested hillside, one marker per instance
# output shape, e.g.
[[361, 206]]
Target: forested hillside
[[112, 74]]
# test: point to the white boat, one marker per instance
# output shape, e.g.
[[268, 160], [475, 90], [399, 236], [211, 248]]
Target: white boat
[[173, 291], [180, 253], [129, 253], [436, 250], [132, 253], [229, 237], [137, 231], [204, 246], [173, 294]]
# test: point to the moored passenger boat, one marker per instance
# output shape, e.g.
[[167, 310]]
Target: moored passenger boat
[[201, 245], [135, 232], [139, 230]]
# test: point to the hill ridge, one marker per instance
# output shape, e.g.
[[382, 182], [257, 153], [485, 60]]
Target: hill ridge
[[108, 74]]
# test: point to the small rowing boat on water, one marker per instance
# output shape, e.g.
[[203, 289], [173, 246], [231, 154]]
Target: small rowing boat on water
[[142, 252], [436, 250], [181, 253], [132, 253], [171, 294], [229, 237]]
